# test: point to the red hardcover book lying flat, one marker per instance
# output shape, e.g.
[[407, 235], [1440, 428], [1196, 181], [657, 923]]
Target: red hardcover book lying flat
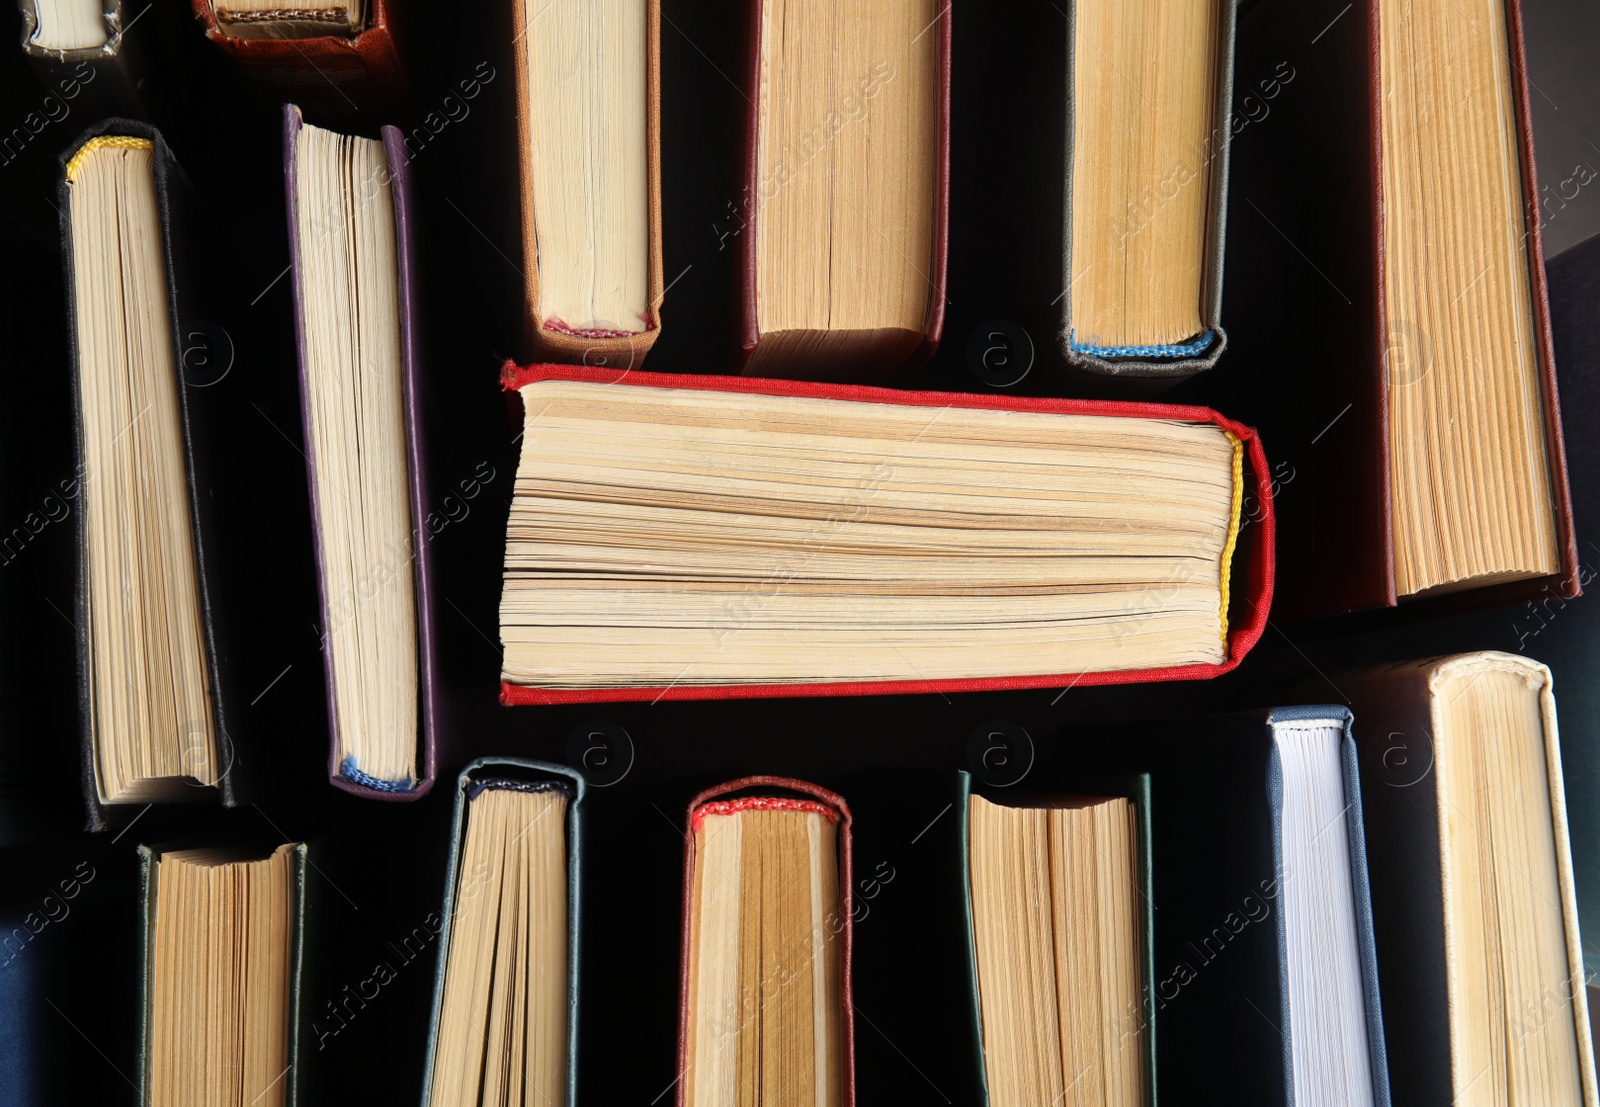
[[765, 986], [339, 59], [697, 537]]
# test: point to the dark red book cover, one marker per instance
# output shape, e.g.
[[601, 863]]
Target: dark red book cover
[[339, 74]]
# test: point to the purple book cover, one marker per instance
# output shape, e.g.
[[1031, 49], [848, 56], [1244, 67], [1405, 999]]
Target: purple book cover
[[427, 677]]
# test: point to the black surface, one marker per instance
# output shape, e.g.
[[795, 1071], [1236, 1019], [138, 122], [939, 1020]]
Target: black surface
[[378, 869]]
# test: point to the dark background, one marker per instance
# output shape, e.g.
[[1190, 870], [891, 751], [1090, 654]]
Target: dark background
[[379, 869]]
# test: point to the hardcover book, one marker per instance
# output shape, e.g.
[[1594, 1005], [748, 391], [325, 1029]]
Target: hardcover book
[[223, 942], [149, 672], [84, 47], [766, 945], [589, 152], [691, 537], [1061, 918], [505, 1009], [847, 171], [336, 55], [1401, 274], [350, 229], [1472, 893], [1149, 105]]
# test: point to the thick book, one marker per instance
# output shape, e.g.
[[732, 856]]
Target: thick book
[[1472, 894], [88, 51], [151, 702], [767, 911], [847, 172], [351, 223], [223, 949], [589, 154], [1146, 191], [505, 1007], [337, 56], [1060, 918], [693, 537], [1388, 313]]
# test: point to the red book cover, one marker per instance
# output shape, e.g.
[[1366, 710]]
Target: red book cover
[[760, 792], [1255, 541], [340, 74]]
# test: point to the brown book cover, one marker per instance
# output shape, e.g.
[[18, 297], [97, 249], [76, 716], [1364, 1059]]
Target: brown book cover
[[337, 74]]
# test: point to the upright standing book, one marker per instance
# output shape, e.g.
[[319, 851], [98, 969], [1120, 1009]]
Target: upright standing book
[[589, 152], [85, 48], [1388, 310], [350, 229], [847, 170], [1061, 917], [705, 537]]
